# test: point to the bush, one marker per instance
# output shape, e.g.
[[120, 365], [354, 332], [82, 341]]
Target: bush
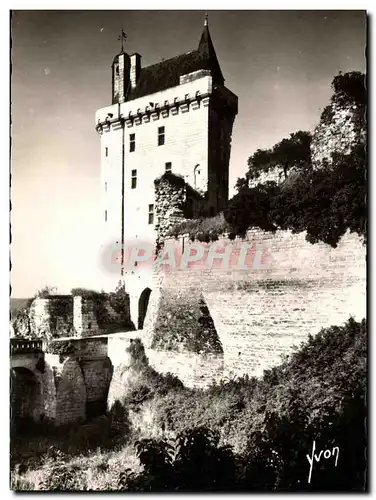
[[251, 208], [319, 392], [45, 292], [327, 202], [118, 300], [195, 463]]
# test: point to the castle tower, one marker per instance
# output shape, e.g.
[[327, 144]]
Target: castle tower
[[173, 116]]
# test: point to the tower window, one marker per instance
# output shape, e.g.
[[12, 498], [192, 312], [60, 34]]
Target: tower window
[[106, 151], [151, 214], [105, 187], [168, 167], [161, 136], [134, 179], [105, 215], [132, 142]]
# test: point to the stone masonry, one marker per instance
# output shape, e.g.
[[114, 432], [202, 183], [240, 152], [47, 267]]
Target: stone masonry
[[261, 314]]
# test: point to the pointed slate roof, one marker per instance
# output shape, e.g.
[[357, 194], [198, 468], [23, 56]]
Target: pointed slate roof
[[166, 74]]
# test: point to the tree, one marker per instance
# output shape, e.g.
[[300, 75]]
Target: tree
[[251, 208], [327, 202]]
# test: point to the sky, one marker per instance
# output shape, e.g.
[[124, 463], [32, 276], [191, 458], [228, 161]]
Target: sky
[[280, 64]]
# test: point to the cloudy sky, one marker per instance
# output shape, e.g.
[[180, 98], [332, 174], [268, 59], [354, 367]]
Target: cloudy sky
[[279, 63]]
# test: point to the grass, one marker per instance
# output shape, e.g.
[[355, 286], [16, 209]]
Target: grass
[[18, 305]]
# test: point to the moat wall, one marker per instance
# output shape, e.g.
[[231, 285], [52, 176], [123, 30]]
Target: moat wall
[[262, 313]]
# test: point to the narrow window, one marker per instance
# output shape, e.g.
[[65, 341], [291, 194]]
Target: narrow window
[[106, 152], [105, 187], [161, 136], [151, 214], [134, 179], [132, 142], [105, 215], [168, 167]]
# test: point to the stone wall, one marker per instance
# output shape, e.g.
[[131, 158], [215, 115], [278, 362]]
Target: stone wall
[[182, 338], [85, 319], [82, 374], [194, 370], [83, 348], [273, 175], [52, 317], [169, 203], [97, 376], [259, 307], [260, 313]]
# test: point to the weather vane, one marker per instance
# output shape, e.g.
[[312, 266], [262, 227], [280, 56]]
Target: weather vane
[[206, 19], [122, 37]]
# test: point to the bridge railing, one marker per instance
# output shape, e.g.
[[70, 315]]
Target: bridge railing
[[18, 346]]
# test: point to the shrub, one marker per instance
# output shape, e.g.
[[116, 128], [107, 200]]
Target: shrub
[[251, 208], [64, 478], [203, 229], [45, 292]]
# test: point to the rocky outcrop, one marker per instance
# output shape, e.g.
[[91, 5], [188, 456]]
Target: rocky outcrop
[[339, 131]]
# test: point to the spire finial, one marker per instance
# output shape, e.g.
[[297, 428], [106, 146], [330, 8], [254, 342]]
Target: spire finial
[[122, 37], [206, 19]]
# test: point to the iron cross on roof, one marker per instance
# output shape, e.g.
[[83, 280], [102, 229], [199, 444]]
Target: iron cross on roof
[[122, 37]]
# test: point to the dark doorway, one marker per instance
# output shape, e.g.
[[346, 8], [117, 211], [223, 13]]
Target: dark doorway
[[143, 306]]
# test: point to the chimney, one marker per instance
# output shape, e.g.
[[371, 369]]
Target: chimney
[[135, 69]]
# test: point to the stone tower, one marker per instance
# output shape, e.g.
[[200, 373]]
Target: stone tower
[[173, 116]]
